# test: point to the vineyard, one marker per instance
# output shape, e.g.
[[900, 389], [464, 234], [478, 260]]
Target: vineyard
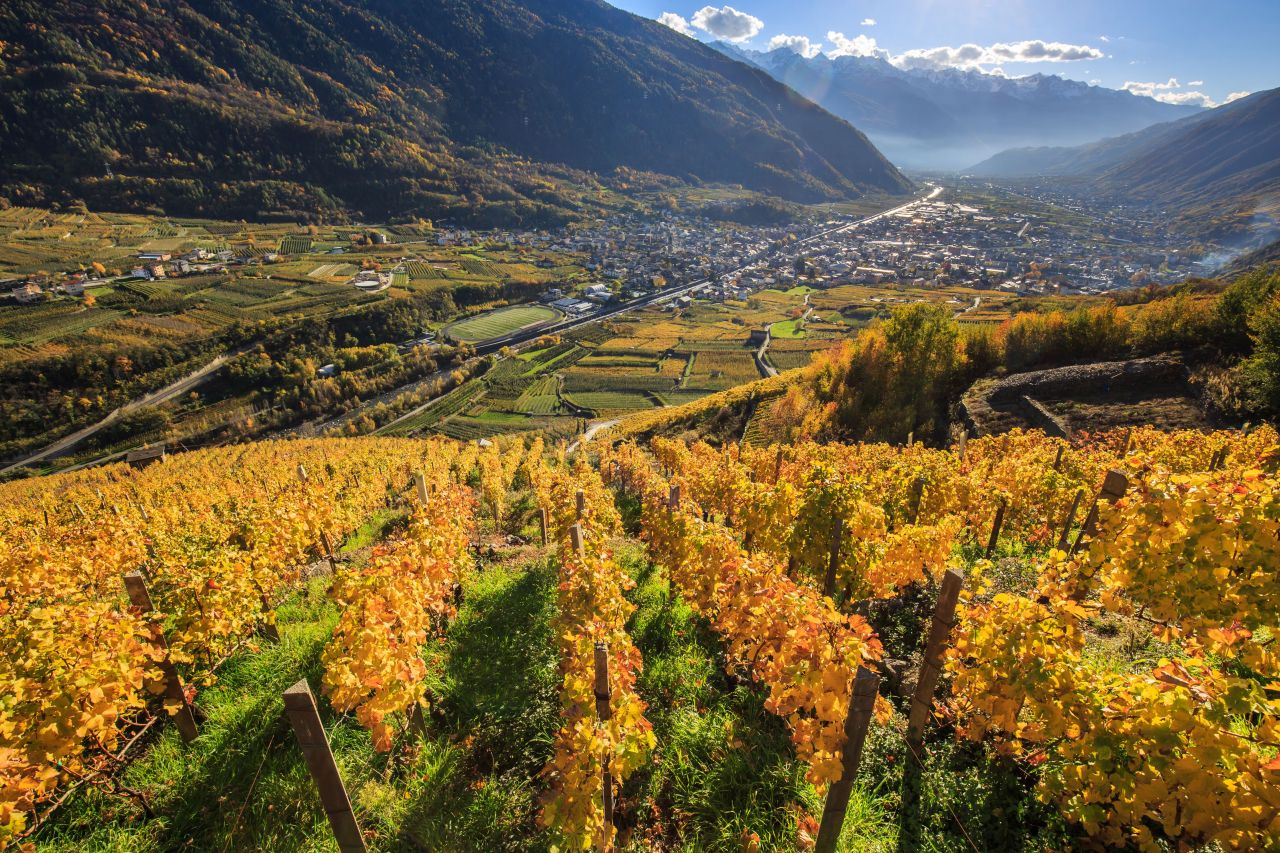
[[1011, 643]]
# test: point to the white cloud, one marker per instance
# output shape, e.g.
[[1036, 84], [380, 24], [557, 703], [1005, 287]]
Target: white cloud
[[727, 23], [1196, 83], [1170, 92], [798, 44], [868, 22], [859, 45], [675, 22], [966, 55], [1103, 38], [1235, 96]]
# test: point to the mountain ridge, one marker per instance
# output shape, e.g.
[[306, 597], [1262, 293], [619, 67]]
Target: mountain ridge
[[472, 109], [937, 119], [1217, 172]]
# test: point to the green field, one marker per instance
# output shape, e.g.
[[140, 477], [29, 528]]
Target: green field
[[787, 329], [496, 324]]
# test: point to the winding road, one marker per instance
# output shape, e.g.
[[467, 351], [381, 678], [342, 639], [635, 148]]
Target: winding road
[[161, 395]]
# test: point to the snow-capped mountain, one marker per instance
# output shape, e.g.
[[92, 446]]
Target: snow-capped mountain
[[950, 118]]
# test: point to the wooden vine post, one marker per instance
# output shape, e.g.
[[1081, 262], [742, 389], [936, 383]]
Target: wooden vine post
[[580, 501], [913, 505], [944, 614], [1065, 538], [673, 498], [833, 563], [542, 523], [963, 444], [420, 481], [300, 705], [1057, 460], [604, 713], [326, 547], [1114, 485], [184, 718], [865, 687], [996, 524]]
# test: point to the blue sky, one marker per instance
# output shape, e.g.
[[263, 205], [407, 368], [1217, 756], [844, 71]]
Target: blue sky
[[1177, 50]]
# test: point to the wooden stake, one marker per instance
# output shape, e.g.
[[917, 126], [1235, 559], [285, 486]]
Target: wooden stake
[[575, 539], [302, 472], [777, 466], [1114, 485], [328, 551], [269, 629], [673, 497], [963, 444], [300, 705], [913, 505], [829, 582], [943, 619], [581, 501], [1065, 539], [542, 523], [603, 694], [185, 719], [861, 703], [420, 480], [1057, 461], [996, 524]]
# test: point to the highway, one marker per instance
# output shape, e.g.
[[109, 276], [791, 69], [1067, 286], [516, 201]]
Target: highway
[[161, 395]]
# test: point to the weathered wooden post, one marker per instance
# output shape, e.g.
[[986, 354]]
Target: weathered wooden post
[[996, 524], [580, 501], [184, 718], [300, 705], [1114, 485], [328, 551], [777, 466], [575, 539], [673, 497], [542, 523], [829, 582], [861, 703], [944, 613], [963, 445], [604, 693], [913, 505], [1064, 539], [1057, 460], [420, 481]]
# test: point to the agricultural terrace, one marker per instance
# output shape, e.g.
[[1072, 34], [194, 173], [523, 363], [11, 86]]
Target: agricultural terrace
[[500, 323]]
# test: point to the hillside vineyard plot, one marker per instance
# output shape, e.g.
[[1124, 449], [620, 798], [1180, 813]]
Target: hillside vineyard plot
[[498, 663]]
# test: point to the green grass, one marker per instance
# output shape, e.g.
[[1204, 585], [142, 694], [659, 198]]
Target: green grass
[[787, 329], [242, 785], [724, 770], [500, 322]]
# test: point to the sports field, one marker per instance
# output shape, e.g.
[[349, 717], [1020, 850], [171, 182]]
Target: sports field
[[502, 321]]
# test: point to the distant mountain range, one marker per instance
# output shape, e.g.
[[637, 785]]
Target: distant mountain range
[[1217, 173], [948, 119], [487, 111]]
